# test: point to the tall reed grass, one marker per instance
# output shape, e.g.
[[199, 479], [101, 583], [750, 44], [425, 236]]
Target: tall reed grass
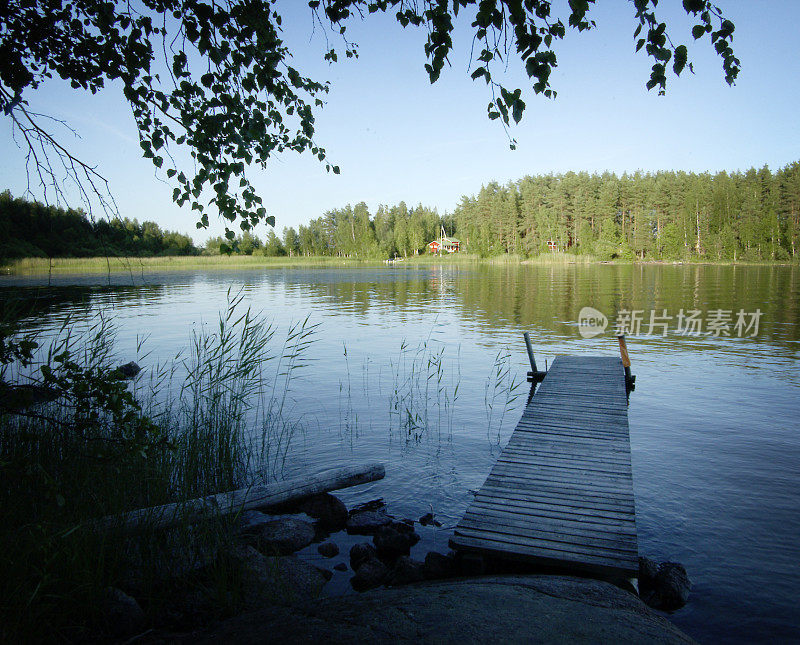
[[211, 419]]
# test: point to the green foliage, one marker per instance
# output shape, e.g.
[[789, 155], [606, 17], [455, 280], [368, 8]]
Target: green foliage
[[99, 446], [753, 216], [31, 229], [214, 84]]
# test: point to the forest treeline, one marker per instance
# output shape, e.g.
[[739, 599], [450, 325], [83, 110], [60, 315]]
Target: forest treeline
[[740, 216], [31, 229]]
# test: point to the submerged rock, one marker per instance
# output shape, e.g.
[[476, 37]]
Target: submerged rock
[[328, 549], [370, 574], [360, 553], [394, 540], [129, 370], [341, 566], [664, 585], [285, 536], [329, 510]]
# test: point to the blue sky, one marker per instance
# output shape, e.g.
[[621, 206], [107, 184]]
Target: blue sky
[[396, 137]]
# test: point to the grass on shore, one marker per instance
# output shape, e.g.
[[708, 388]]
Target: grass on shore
[[39, 266], [63, 465]]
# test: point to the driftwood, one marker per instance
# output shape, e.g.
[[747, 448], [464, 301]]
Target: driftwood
[[244, 499]]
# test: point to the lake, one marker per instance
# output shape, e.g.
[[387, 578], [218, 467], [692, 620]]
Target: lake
[[423, 368]]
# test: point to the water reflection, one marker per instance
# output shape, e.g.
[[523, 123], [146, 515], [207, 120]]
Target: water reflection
[[714, 420]]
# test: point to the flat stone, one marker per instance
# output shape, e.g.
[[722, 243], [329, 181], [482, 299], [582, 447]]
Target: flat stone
[[284, 536], [367, 522], [513, 609]]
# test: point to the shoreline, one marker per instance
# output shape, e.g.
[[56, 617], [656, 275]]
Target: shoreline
[[44, 266]]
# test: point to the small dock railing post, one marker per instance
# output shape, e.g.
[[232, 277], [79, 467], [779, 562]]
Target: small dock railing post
[[534, 376]]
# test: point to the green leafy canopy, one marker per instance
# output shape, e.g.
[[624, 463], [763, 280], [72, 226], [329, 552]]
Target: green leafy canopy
[[214, 80]]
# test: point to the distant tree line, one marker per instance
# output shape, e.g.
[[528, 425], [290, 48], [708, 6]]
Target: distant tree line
[[350, 232], [32, 229], [740, 216], [752, 215]]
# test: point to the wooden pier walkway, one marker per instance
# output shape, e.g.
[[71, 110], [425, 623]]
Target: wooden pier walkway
[[561, 492]]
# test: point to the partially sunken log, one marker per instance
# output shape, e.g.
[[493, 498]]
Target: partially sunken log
[[244, 499]]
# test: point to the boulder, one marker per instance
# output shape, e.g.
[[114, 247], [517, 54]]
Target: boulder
[[284, 536], [367, 522], [370, 574], [276, 579], [129, 370], [664, 585], [406, 571], [360, 553], [439, 566], [328, 549], [329, 510], [121, 614], [341, 566], [517, 609], [394, 540], [250, 522]]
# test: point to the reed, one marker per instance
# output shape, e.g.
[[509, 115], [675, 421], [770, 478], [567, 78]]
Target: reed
[[213, 418]]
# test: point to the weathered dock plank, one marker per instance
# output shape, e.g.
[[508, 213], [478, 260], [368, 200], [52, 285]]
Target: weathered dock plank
[[561, 492]]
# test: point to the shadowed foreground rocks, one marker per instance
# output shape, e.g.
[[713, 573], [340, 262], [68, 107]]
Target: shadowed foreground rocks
[[546, 609]]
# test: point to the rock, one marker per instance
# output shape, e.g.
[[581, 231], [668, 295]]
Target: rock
[[326, 573], [370, 574], [438, 566], [276, 579], [367, 522], [341, 566], [372, 505], [284, 536], [250, 522], [129, 370], [663, 586], [328, 549], [328, 509], [517, 609], [394, 540], [360, 553], [429, 519], [122, 615], [406, 571], [648, 570]]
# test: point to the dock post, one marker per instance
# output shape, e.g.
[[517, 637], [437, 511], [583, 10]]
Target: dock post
[[534, 375], [630, 380]]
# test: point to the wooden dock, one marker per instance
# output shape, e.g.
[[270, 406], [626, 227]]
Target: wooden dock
[[561, 492]]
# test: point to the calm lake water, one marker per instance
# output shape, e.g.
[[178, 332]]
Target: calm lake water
[[715, 420]]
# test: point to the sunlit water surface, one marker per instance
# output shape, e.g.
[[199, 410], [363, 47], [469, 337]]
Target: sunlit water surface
[[714, 421]]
